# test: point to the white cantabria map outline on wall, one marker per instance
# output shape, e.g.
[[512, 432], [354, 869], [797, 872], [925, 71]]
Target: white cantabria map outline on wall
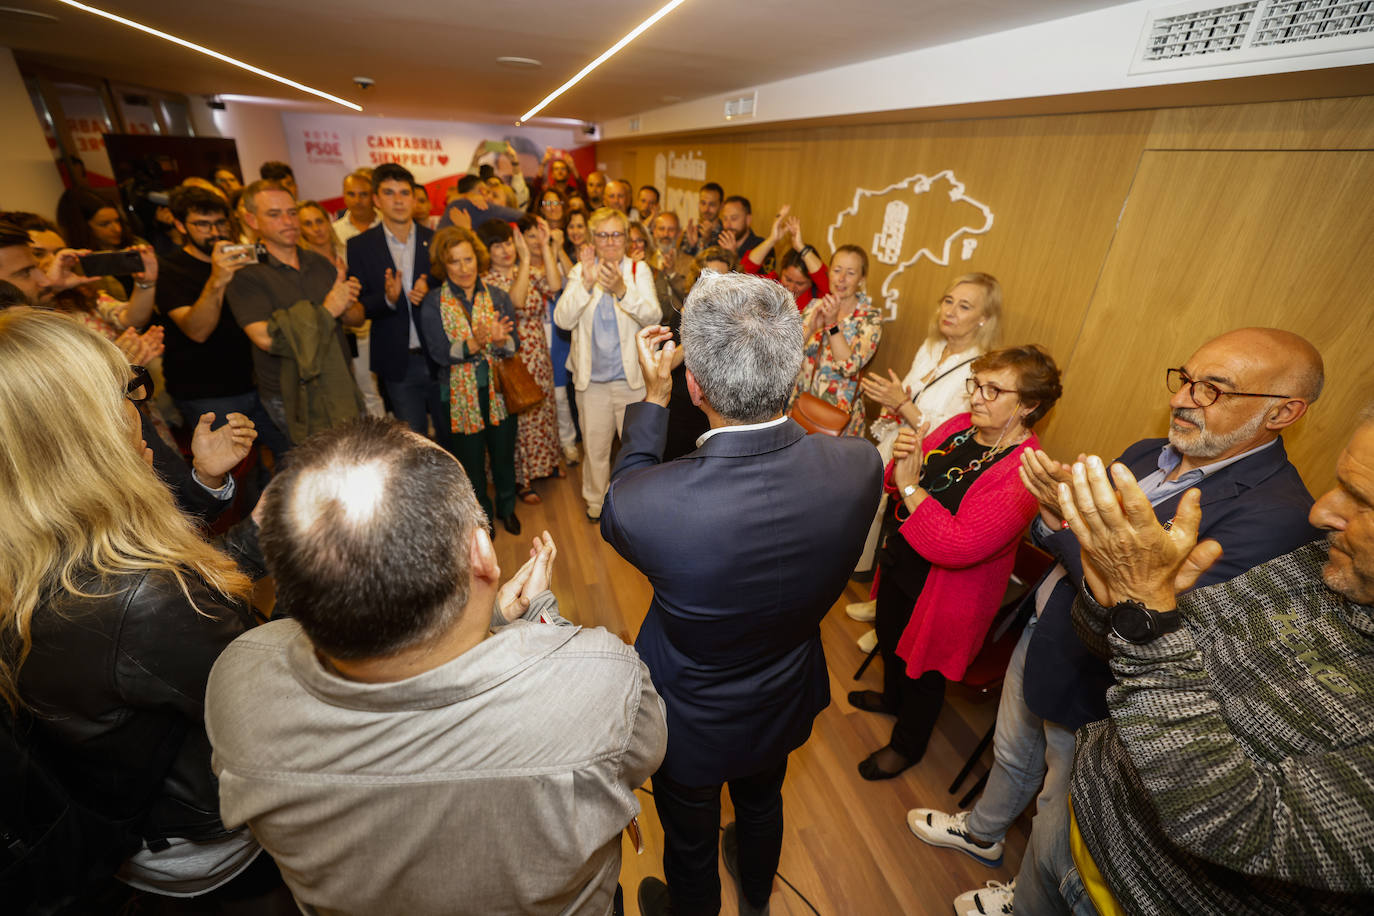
[[887, 244]]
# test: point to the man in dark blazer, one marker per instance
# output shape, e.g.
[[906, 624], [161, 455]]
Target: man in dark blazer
[[748, 541], [391, 262], [1231, 402]]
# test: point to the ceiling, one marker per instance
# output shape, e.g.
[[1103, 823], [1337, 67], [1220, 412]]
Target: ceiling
[[437, 59]]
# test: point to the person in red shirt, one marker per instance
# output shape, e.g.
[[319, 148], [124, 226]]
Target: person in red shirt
[[801, 271]]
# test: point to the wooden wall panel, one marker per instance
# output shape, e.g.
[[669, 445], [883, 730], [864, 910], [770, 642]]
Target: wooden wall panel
[[1214, 243], [1216, 240]]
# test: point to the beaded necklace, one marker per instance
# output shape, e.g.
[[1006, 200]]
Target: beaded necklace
[[955, 474]]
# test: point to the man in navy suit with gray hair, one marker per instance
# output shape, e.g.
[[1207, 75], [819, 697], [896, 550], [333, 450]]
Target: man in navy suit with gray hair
[[748, 541]]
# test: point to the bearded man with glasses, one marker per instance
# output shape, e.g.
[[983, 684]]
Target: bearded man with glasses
[[1225, 439], [208, 363]]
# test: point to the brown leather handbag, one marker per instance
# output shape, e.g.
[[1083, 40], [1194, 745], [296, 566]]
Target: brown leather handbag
[[514, 381], [817, 416]]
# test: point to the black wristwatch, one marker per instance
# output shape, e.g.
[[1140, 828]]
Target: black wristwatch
[[834, 329], [1134, 622]]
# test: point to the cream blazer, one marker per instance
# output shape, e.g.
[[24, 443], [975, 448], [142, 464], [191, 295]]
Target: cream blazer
[[576, 311]]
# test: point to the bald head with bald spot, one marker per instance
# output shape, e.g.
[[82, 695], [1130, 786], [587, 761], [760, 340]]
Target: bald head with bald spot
[[1279, 364]]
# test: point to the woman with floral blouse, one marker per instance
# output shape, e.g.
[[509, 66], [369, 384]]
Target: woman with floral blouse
[[842, 332]]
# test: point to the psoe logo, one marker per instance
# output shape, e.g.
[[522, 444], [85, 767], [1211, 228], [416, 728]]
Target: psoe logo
[[323, 150], [906, 222]]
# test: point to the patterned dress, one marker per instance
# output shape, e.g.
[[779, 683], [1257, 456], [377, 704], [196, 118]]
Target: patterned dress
[[537, 448], [838, 382]]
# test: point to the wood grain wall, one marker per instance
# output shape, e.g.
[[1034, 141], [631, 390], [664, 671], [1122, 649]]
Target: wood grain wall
[[1122, 239]]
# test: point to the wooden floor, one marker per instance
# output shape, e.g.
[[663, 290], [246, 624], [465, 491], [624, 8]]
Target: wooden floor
[[847, 847]]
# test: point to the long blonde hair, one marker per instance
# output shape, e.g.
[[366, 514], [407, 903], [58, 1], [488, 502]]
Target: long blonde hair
[[75, 495]]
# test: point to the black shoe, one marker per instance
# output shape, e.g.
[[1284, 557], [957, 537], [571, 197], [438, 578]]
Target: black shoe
[[511, 523], [729, 846], [653, 898], [869, 701], [870, 770]]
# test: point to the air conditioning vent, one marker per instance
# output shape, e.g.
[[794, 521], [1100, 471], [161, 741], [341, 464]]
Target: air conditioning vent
[[742, 107], [1305, 20], [1207, 31], [634, 125], [1200, 34]]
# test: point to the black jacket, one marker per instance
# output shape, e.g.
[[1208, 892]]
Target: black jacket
[[116, 685]]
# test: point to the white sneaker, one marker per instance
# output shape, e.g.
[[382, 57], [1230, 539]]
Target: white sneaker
[[862, 611], [996, 899], [951, 831], [869, 641]]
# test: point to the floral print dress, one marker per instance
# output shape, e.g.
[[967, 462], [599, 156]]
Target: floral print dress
[[835, 381], [537, 448]]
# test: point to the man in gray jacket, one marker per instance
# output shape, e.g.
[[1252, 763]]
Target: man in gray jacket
[[420, 739]]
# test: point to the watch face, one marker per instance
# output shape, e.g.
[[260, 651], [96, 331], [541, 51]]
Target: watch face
[[1133, 622]]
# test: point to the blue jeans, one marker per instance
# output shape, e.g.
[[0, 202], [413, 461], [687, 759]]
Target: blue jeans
[[415, 398], [1027, 749], [248, 404]]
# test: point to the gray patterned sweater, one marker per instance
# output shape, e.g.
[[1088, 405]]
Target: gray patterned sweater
[[1236, 773]]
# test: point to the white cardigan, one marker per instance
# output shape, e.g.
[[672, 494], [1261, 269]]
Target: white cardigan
[[576, 312]]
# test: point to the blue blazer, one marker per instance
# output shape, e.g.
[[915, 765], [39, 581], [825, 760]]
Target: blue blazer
[[747, 541], [1256, 509], [369, 259]]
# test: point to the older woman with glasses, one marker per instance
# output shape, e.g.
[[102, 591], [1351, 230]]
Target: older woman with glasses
[[950, 542], [607, 298]]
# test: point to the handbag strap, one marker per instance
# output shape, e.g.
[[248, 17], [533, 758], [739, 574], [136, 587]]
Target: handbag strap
[[942, 375]]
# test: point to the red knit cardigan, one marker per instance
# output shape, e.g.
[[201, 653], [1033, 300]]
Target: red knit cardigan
[[971, 555]]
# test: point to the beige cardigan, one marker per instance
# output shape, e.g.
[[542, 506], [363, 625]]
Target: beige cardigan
[[576, 312]]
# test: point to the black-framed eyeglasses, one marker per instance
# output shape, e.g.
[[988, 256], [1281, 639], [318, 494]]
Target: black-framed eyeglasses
[[206, 225], [140, 387], [989, 391], [1205, 394]]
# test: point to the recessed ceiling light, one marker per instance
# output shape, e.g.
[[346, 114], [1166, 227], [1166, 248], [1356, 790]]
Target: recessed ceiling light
[[605, 55], [157, 33], [20, 14], [520, 63]]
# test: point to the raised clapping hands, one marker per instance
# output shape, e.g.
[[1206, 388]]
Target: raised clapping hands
[[530, 580], [1127, 553], [418, 290], [656, 351], [140, 349], [886, 391], [610, 279], [215, 453], [1042, 476], [794, 226], [907, 456], [499, 333], [344, 293]]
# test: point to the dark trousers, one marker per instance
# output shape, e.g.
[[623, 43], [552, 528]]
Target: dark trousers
[[915, 701], [691, 826], [415, 398], [472, 450]]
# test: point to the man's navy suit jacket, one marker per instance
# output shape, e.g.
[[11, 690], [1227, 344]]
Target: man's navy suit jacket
[[369, 259], [747, 541], [1256, 509]]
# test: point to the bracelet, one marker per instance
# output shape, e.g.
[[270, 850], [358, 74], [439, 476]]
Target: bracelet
[[805, 249], [142, 285]]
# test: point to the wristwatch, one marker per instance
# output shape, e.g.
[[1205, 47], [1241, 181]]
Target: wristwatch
[[909, 490], [834, 329], [1134, 622]]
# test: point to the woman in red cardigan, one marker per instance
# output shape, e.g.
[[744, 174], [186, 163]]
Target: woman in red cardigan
[[949, 546]]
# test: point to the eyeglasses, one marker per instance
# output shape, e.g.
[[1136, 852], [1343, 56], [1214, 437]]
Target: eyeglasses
[[208, 224], [608, 236], [1205, 394], [551, 204], [140, 387], [989, 391]]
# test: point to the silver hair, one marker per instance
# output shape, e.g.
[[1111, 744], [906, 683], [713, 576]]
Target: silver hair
[[742, 336]]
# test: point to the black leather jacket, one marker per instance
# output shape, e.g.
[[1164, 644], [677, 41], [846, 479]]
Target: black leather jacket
[[116, 685]]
